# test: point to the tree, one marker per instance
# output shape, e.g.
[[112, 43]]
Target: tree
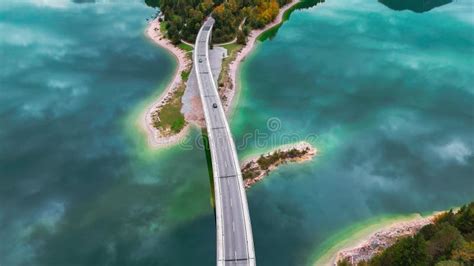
[[465, 221], [206, 6], [173, 34], [465, 253], [444, 241], [263, 13], [344, 262], [241, 38], [226, 21], [449, 241], [428, 231], [407, 251]]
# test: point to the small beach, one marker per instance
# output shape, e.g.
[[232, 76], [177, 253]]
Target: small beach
[[155, 139], [302, 151], [363, 240]]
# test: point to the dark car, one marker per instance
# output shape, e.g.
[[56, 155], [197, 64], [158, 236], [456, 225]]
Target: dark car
[[200, 60], [214, 105]]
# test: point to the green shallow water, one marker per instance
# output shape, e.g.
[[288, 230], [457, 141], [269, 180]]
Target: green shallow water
[[351, 236], [389, 96], [386, 96]]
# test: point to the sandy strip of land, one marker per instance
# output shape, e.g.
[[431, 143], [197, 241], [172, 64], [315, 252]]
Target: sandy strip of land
[[155, 139], [251, 161], [234, 66]]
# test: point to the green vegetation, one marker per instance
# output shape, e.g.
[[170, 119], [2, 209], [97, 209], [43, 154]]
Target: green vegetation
[[224, 80], [232, 48], [184, 18], [185, 47], [163, 26], [250, 173], [241, 38], [264, 162], [272, 32], [251, 170], [185, 75], [449, 241], [169, 119], [207, 151]]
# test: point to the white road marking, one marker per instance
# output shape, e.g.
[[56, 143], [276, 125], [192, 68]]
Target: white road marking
[[224, 152]]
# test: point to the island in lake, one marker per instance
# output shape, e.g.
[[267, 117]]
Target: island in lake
[[256, 168]]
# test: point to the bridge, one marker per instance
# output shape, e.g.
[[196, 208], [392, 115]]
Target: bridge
[[233, 229]]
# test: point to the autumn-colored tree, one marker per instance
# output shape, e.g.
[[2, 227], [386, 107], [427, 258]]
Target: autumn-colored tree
[[465, 253], [185, 17], [264, 13]]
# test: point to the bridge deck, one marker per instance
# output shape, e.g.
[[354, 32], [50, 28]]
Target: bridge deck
[[234, 232]]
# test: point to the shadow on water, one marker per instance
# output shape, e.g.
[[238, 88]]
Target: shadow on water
[[194, 241], [83, 1], [207, 151], [418, 6], [272, 32], [152, 3]]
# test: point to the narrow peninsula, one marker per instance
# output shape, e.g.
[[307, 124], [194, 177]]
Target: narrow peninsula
[[257, 168], [238, 25]]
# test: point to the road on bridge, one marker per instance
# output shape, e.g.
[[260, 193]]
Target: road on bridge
[[234, 232]]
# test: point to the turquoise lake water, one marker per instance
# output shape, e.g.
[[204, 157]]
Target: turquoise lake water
[[386, 96]]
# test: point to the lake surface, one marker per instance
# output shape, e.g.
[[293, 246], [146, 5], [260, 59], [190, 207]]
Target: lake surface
[[386, 96], [389, 95]]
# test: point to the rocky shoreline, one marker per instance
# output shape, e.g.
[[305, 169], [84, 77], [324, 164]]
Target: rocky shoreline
[[255, 169], [378, 241]]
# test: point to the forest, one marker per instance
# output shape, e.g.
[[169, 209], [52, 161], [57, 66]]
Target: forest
[[449, 241], [183, 18]]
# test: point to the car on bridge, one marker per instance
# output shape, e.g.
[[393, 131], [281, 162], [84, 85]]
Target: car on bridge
[[214, 105]]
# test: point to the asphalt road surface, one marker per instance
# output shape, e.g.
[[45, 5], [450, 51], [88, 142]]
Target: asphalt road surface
[[234, 231]]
